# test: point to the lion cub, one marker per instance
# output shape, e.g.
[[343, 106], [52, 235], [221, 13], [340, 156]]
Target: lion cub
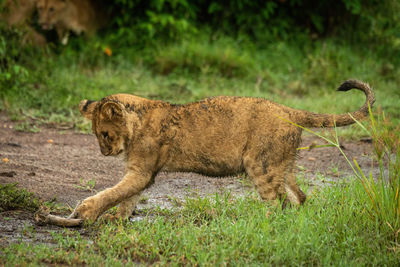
[[19, 13], [216, 136], [78, 16]]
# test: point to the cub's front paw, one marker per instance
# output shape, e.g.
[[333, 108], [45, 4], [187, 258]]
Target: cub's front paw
[[87, 210]]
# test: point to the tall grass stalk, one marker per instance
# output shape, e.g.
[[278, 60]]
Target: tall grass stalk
[[383, 191]]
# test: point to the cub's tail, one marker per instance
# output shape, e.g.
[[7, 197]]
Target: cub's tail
[[310, 119]]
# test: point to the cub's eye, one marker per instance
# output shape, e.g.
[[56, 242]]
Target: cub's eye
[[51, 9], [104, 134]]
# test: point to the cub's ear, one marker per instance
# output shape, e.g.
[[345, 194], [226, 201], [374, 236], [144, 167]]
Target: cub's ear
[[112, 111], [86, 108]]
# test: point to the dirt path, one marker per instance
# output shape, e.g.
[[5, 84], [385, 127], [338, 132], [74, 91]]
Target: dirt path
[[55, 164]]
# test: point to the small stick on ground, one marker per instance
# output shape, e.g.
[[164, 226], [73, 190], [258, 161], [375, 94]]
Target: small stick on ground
[[43, 216]]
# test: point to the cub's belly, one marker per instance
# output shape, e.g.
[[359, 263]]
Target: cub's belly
[[206, 164]]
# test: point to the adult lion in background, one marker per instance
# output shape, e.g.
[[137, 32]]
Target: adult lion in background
[[78, 16], [217, 136]]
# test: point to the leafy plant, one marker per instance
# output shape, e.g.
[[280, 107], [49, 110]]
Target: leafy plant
[[143, 21], [147, 22], [12, 197]]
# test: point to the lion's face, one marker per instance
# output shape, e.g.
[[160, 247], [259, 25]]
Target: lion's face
[[108, 124], [50, 12], [110, 137]]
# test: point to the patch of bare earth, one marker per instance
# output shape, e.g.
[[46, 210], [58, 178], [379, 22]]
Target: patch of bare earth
[[63, 165]]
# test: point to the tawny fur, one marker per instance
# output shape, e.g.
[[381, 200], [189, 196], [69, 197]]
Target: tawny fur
[[217, 136], [78, 16]]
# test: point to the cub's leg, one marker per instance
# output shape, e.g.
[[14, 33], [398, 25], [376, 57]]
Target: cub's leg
[[274, 179], [292, 188], [129, 187], [269, 180], [127, 206], [62, 33], [125, 209]]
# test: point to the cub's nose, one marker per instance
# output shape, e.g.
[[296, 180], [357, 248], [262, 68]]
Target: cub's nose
[[105, 151]]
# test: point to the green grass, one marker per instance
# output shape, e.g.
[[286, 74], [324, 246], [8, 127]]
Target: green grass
[[384, 197], [339, 225], [332, 228], [302, 75], [352, 223], [13, 198]]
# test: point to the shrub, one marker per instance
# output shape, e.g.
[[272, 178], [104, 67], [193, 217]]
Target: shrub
[[143, 21]]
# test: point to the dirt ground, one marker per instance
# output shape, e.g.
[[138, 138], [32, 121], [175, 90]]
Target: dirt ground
[[68, 167]]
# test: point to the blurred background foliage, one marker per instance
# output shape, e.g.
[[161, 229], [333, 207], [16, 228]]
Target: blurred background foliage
[[258, 20], [290, 51]]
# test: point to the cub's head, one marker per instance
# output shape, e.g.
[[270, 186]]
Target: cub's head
[[109, 124], [50, 12]]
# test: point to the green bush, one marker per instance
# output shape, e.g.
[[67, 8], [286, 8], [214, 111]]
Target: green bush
[[142, 21]]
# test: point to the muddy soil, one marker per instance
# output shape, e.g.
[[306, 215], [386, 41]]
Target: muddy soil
[[67, 167]]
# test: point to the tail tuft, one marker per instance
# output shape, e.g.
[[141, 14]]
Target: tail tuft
[[348, 85], [310, 119]]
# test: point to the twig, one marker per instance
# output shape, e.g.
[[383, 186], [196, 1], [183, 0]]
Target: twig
[[43, 216]]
